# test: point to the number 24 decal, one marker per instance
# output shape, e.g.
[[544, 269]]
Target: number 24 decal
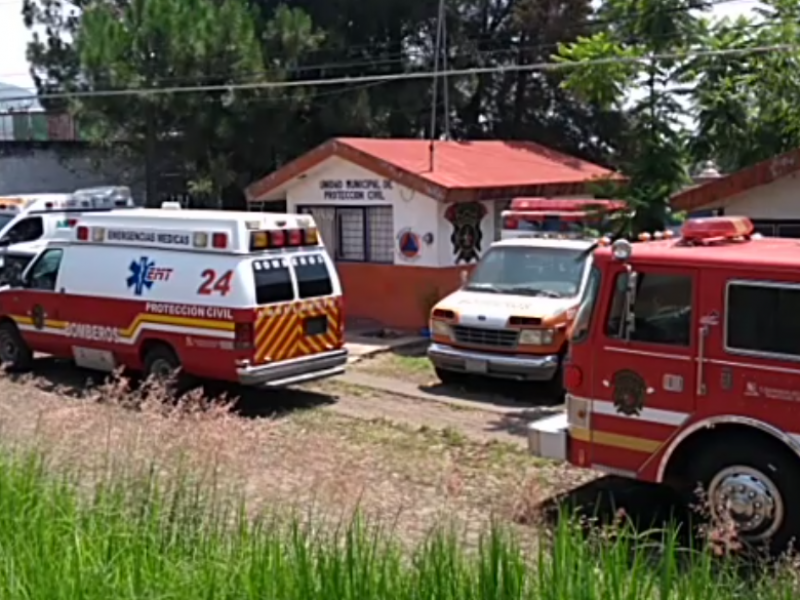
[[215, 285]]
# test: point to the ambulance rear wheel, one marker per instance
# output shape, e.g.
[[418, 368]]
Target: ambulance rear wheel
[[15, 354], [752, 488], [161, 364]]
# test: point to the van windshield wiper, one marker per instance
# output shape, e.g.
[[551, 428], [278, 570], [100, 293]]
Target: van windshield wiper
[[527, 291], [483, 287]]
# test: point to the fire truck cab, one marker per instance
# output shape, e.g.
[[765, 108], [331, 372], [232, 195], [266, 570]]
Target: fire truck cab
[[684, 369], [510, 318], [240, 297]]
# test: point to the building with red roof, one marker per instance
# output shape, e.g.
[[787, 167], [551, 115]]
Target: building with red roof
[[403, 217], [766, 192]]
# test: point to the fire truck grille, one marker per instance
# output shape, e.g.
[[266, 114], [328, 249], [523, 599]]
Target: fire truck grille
[[477, 336]]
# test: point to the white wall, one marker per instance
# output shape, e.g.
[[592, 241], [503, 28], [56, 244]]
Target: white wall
[[777, 200], [337, 182]]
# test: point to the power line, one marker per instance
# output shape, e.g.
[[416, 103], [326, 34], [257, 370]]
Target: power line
[[410, 75], [395, 58]]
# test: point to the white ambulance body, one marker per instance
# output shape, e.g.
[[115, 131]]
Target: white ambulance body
[[240, 297], [27, 218]]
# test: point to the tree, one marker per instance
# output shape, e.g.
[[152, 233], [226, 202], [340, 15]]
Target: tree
[[746, 101], [145, 49], [628, 71]]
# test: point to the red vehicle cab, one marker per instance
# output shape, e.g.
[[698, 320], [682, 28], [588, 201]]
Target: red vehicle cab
[[684, 369]]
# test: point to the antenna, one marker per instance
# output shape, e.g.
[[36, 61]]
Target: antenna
[[435, 95]]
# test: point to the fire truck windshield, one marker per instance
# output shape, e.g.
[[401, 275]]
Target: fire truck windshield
[[529, 271]]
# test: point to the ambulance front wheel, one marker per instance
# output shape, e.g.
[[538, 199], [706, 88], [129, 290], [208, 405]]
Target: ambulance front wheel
[[15, 354], [753, 488]]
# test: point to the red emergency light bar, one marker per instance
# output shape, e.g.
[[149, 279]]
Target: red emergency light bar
[[713, 229], [283, 238], [557, 205]]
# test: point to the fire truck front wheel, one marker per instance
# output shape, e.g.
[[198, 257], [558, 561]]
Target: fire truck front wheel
[[15, 354], [752, 488]]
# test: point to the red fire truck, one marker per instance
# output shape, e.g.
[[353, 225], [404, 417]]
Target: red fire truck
[[684, 369]]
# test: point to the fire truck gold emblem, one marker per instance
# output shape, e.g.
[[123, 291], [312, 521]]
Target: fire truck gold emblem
[[38, 316], [629, 391]]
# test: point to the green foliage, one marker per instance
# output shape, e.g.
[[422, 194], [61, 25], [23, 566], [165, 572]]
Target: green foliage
[[134, 535], [638, 63], [746, 105]]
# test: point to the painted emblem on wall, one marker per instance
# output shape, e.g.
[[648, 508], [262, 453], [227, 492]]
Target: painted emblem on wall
[[408, 243], [467, 236], [629, 391]]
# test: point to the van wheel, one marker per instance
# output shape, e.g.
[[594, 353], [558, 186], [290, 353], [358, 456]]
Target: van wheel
[[15, 354], [752, 488], [452, 378], [161, 364]]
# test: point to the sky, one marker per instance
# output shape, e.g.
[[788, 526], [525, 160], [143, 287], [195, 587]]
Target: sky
[[14, 37]]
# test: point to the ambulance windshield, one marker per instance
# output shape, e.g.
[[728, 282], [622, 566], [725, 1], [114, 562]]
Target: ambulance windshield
[[529, 271]]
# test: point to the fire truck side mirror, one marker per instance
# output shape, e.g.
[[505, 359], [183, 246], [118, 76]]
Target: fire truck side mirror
[[630, 300], [464, 276]]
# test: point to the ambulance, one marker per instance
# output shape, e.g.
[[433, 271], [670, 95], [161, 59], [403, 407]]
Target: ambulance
[[239, 297], [684, 369], [511, 317], [27, 218]]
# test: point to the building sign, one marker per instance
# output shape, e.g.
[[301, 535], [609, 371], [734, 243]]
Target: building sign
[[408, 243], [354, 189]]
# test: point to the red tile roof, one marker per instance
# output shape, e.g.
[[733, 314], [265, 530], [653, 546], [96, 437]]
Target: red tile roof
[[748, 178], [461, 170]]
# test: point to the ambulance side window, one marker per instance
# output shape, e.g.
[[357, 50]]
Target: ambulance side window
[[44, 273], [313, 279], [662, 311], [27, 230], [273, 281]]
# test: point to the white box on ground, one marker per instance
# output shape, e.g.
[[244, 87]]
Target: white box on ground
[[547, 438]]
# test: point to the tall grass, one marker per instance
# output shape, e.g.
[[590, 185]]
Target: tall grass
[[134, 538]]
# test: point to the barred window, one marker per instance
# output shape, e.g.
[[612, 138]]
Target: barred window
[[355, 233]]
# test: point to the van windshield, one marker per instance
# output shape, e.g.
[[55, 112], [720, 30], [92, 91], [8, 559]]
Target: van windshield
[[273, 278], [529, 271]]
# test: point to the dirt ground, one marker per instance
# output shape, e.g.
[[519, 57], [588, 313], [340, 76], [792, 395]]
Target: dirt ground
[[330, 446]]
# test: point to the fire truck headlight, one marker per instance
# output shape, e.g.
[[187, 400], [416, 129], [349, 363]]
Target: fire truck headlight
[[536, 337], [621, 249], [441, 328]]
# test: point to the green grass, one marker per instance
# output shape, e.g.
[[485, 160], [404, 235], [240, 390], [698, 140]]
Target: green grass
[[129, 538]]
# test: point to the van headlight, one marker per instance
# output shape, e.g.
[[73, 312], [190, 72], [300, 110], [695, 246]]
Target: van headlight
[[536, 337], [441, 328]]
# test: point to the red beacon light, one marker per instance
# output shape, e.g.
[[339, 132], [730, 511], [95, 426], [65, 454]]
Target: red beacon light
[[716, 229]]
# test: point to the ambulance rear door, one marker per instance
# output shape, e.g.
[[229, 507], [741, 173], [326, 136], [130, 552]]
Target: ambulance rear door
[[299, 299]]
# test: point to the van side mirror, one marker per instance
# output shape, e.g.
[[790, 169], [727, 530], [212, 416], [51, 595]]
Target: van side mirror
[[464, 276]]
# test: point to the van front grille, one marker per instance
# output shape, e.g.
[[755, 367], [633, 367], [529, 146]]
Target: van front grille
[[479, 336]]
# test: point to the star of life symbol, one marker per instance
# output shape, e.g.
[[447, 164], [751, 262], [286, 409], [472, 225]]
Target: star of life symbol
[[139, 278]]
